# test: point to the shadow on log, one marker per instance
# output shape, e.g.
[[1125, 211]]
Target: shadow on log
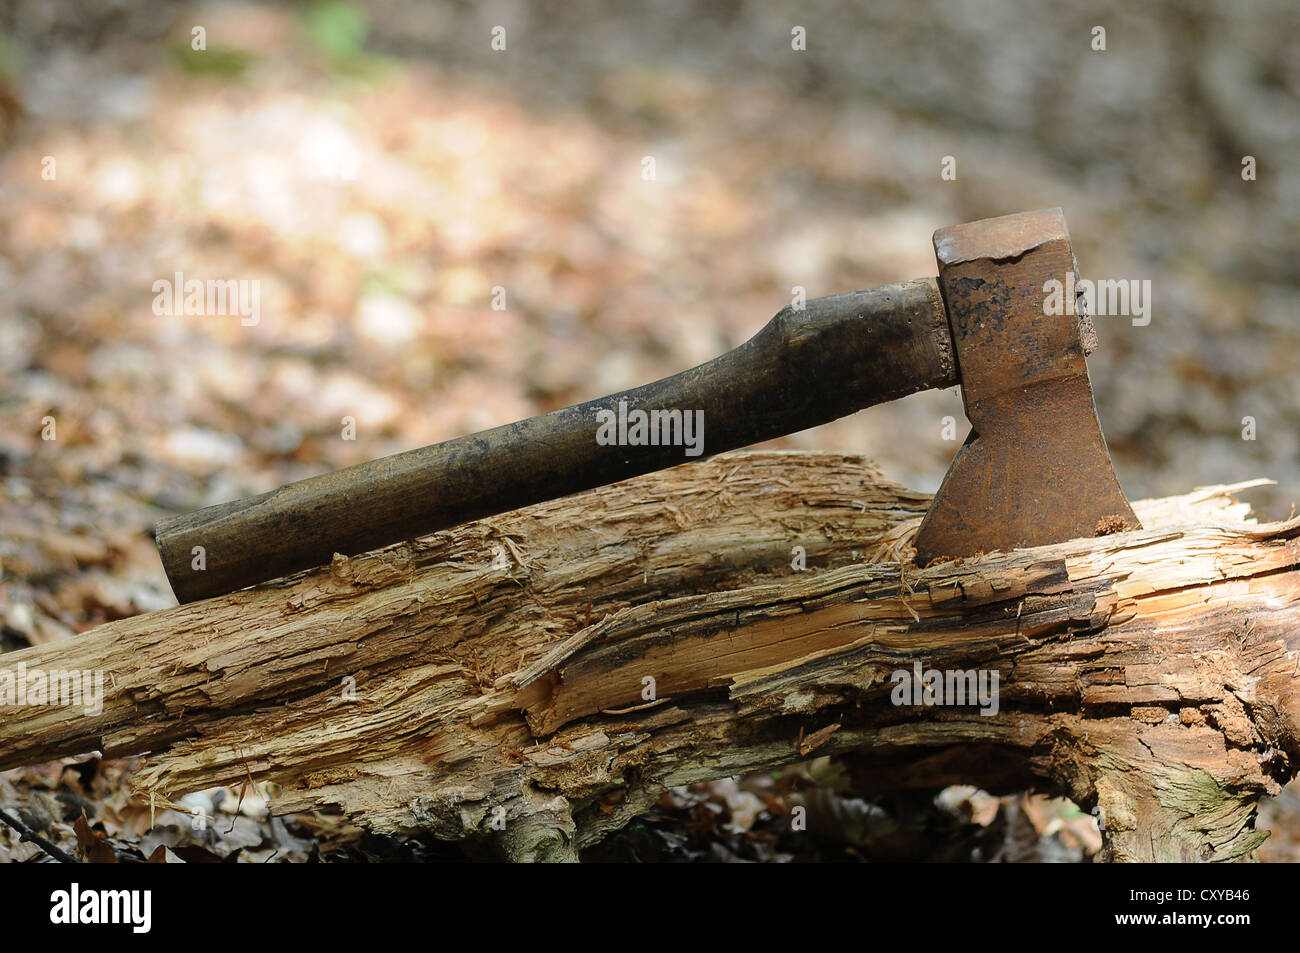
[[539, 678]]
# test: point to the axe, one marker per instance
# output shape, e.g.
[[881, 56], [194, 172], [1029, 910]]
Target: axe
[[1034, 470]]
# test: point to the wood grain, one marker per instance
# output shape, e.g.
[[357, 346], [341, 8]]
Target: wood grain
[[499, 667]]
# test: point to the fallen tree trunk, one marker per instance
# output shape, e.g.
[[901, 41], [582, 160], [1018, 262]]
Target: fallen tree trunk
[[541, 677]]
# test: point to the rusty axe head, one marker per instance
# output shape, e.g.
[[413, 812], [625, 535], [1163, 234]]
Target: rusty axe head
[[1035, 468]]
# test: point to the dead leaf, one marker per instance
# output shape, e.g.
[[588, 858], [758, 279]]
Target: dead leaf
[[91, 844]]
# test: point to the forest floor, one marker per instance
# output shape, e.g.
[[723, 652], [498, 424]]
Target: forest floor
[[381, 173]]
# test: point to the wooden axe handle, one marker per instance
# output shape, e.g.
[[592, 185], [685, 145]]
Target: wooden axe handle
[[804, 368]]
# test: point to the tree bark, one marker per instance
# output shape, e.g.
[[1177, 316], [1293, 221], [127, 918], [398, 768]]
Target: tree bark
[[541, 677]]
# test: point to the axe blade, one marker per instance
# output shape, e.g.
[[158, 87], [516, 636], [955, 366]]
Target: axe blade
[[1035, 469]]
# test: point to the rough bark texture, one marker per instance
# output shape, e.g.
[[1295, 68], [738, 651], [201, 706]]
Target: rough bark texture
[[489, 681]]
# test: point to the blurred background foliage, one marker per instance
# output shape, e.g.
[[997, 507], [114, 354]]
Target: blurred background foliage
[[379, 168]]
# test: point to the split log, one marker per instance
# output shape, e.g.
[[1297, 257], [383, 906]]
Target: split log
[[494, 680]]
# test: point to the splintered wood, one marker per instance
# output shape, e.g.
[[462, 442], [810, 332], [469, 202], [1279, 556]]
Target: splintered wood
[[557, 668]]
